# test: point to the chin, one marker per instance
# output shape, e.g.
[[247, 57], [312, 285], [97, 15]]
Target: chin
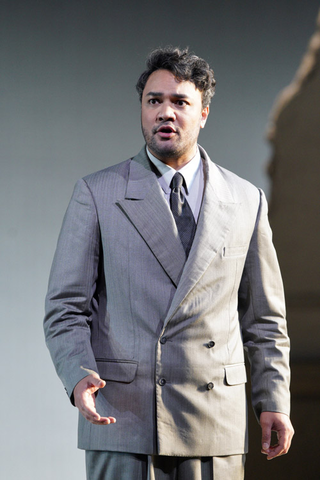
[[166, 154], [165, 151]]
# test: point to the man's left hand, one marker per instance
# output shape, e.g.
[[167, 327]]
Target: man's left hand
[[280, 423]]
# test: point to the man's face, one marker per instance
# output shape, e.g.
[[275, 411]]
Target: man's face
[[171, 117]]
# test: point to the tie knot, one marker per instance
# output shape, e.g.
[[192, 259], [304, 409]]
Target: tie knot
[[177, 181]]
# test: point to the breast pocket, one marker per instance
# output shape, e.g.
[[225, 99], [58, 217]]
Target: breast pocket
[[236, 251]]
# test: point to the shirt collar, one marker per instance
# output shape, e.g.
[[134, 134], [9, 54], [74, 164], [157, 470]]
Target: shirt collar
[[189, 171]]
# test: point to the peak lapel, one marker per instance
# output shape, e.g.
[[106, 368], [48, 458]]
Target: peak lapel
[[148, 211], [217, 213]]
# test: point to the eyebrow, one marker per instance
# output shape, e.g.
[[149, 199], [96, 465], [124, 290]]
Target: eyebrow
[[160, 94]]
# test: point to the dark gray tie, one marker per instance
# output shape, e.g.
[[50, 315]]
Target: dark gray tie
[[182, 212]]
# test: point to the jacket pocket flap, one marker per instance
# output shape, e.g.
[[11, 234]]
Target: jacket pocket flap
[[117, 370], [236, 374]]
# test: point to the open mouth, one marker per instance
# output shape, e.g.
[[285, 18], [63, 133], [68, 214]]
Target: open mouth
[[166, 131]]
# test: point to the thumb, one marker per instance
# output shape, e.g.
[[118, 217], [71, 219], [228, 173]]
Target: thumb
[[266, 436], [97, 382], [94, 379]]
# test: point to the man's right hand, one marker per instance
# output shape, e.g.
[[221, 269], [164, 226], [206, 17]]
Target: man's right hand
[[85, 400]]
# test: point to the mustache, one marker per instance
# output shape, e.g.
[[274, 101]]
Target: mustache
[[163, 125]]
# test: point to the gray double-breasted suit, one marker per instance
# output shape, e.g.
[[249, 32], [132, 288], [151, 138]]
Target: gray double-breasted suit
[[168, 335]]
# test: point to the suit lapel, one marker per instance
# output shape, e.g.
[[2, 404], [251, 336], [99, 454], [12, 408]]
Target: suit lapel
[[217, 213], [146, 208], [148, 211]]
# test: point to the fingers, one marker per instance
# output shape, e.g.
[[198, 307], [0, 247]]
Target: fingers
[[87, 408], [84, 399], [280, 423], [93, 417]]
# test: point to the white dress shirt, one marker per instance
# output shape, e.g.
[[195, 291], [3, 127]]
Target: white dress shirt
[[193, 175]]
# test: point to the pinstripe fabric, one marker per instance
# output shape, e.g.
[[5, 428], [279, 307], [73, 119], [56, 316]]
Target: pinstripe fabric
[[168, 334], [129, 466]]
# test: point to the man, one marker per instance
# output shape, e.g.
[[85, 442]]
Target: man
[[164, 272]]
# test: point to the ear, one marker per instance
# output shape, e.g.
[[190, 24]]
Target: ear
[[204, 116]]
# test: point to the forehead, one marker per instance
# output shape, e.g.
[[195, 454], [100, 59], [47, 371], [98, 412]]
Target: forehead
[[164, 82]]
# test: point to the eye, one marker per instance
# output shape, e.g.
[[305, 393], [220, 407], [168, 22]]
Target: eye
[[181, 103], [153, 101]]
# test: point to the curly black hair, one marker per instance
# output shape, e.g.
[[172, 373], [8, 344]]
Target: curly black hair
[[184, 66]]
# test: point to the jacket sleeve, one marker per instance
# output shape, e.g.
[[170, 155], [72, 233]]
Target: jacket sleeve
[[70, 300], [262, 317]]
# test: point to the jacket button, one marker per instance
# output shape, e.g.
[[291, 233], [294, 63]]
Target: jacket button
[[163, 340], [210, 386], [211, 344], [162, 382]]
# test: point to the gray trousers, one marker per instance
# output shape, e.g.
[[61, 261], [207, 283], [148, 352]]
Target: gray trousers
[[102, 465]]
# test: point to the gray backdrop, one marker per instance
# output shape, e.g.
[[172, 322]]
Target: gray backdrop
[[69, 107]]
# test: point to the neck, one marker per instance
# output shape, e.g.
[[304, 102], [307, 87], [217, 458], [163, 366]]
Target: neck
[[176, 162]]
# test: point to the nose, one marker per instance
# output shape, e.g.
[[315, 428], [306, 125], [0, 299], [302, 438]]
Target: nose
[[166, 113]]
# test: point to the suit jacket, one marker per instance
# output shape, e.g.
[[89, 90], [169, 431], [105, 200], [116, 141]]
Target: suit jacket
[[168, 335]]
